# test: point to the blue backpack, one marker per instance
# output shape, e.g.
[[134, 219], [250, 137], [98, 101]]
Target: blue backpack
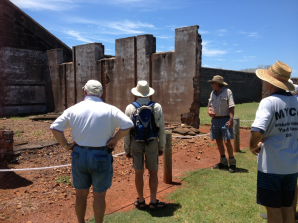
[[143, 119]]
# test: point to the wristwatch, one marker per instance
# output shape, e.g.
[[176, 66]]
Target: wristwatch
[[231, 117]]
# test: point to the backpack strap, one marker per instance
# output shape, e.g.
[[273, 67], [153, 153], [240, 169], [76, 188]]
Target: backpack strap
[[136, 104]]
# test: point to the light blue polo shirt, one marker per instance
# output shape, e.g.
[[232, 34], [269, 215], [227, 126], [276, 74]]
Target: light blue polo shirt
[[92, 121], [277, 119]]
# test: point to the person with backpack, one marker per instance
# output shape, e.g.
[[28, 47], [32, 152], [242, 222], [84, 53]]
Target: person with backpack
[[146, 142]]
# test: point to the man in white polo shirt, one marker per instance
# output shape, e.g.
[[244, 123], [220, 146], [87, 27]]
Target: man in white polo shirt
[[274, 135], [93, 124]]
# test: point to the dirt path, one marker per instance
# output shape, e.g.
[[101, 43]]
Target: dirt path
[[41, 196]]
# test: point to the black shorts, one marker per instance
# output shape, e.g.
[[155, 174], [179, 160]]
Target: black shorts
[[276, 190]]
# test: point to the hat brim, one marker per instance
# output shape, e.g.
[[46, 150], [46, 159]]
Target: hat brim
[[263, 75], [224, 83], [139, 94]]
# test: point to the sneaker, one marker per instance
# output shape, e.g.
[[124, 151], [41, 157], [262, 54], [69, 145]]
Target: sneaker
[[220, 166], [232, 169]]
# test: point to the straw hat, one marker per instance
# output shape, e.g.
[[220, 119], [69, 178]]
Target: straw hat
[[278, 75], [218, 79], [142, 89]]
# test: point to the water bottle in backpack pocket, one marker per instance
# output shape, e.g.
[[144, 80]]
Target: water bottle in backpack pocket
[[145, 127]]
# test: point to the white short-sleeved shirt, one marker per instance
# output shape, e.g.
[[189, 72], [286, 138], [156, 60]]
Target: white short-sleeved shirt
[[92, 121], [222, 102], [277, 119]]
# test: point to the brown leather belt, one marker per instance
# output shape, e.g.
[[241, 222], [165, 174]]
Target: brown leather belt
[[216, 117], [93, 148]]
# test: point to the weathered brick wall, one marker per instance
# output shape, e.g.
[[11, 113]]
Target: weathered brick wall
[[25, 84], [246, 87]]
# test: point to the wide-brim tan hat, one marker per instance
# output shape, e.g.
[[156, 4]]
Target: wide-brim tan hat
[[278, 75], [218, 79], [142, 89]]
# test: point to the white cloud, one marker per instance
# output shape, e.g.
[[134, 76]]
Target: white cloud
[[129, 27], [238, 51], [116, 27], [78, 36], [246, 58], [211, 52], [203, 32], [251, 34], [222, 30], [164, 37], [88, 38], [206, 65], [53, 5]]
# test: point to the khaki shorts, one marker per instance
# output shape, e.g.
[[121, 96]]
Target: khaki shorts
[[142, 153]]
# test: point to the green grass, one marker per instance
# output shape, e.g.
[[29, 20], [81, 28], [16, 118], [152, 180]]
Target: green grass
[[208, 195], [17, 118], [63, 180], [246, 111]]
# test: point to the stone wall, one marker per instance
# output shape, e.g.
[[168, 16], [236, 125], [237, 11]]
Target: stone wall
[[170, 74], [246, 87], [25, 84]]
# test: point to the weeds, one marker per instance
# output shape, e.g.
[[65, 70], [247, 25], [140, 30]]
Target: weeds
[[63, 180]]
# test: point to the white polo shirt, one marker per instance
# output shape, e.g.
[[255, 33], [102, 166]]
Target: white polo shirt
[[277, 119], [92, 121]]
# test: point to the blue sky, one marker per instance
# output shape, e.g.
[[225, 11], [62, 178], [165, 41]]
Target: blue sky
[[236, 34]]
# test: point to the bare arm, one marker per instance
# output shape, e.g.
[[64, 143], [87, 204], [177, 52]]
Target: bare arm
[[59, 136], [113, 141], [211, 113], [230, 122], [256, 140]]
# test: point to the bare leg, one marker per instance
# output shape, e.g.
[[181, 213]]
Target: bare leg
[[220, 146], [153, 183], [229, 148], [99, 206], [288, 215], [274, 215], [139, 182], [81, 204]]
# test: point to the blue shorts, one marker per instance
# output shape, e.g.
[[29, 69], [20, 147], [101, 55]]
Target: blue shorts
[[217, 131], [91, 167], [276, 190]]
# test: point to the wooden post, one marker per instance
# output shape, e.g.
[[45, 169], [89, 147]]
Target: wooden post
[[167, 159], [236, 130]]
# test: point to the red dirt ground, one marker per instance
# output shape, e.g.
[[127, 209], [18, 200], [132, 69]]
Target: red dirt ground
[[36, 196]]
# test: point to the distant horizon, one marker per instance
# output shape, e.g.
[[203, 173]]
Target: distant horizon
[[236, 35]]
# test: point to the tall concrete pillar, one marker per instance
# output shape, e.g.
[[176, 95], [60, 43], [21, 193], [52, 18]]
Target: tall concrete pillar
[[57, 75], [126, 74], [187, 69], [70, 84], [85, 65], [146, 45]]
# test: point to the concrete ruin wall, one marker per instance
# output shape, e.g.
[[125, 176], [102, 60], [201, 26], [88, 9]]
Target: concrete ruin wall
[[246, 87], [25, 85], [171, 74]]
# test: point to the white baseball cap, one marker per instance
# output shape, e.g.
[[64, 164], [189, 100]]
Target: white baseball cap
[[93, 87]]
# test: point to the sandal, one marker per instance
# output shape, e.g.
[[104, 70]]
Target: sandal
[[140, 205], [157, 205]]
